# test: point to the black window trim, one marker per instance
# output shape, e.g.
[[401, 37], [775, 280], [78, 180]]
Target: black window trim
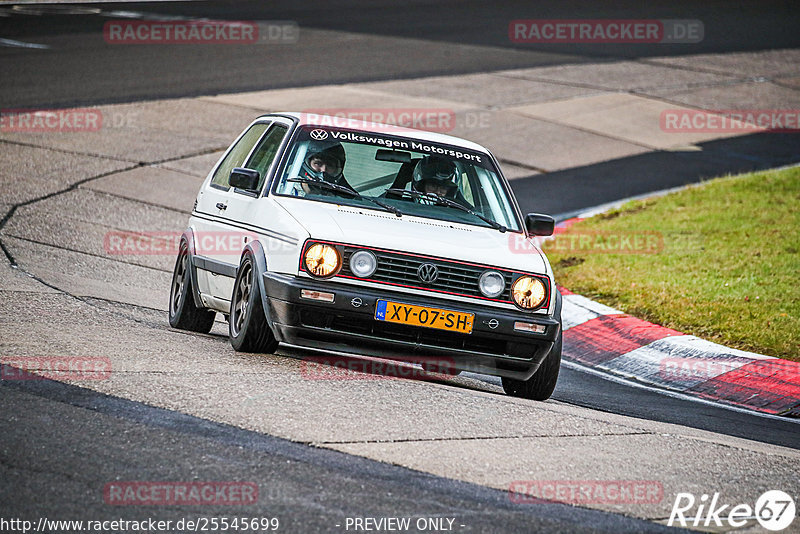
[[277, 166], [260, 120], [278, 156]]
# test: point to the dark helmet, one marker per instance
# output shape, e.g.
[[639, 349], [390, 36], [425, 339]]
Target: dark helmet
[[331, 153], [435, 170]]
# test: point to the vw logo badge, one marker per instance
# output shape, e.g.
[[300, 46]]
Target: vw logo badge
[[319, 135], [428, 273]]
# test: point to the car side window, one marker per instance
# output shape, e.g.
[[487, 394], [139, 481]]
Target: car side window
[[265, 152], [238, 153]]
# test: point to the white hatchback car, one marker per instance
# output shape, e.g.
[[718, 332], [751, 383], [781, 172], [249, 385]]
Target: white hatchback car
[[372, 240]]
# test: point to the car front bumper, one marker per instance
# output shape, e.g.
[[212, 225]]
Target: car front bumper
[[348, 324]]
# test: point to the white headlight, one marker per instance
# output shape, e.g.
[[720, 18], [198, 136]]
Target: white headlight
[[363, 264], [529, 292], [322, 260], [492, 284]]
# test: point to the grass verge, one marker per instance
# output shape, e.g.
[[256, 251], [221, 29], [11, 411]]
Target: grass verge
[[720, 260]]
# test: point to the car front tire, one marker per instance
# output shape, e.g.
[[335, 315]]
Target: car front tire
[[183, 313], [541, 385], [247, 325]]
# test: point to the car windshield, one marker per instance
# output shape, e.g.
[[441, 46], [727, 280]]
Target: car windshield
[[396, 174]]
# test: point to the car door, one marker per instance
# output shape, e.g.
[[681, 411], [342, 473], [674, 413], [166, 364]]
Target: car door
[[220, 228]]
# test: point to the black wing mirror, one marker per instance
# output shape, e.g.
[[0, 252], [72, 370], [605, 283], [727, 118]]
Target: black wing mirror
[[538, 224], [244, 178]]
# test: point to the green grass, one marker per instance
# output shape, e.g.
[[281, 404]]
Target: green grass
[[729, 270]]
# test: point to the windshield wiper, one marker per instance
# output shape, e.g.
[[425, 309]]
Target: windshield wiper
[[442, 201], [347, 191]]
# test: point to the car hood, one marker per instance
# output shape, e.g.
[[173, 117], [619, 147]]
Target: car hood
[[443, 239]]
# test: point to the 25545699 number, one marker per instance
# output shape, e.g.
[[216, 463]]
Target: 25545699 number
[[221, 524]]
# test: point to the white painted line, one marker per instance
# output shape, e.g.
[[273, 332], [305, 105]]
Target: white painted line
[[694, 347], [577, 309], [585, 213], [39, 10], [677, 362], [52, 2], [149, 16], [674, 394], [20, 44]]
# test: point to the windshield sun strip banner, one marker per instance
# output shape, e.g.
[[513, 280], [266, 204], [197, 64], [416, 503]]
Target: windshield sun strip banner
[[397, 143]]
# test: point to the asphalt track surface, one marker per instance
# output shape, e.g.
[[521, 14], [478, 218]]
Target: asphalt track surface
[[53, 431], [413, 39], [397, 41], [417, 38], [307, 489]]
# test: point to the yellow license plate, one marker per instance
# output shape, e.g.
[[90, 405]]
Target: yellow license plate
[[395, 312]]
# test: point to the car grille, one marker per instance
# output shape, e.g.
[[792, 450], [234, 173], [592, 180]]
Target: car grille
[[453, 277]]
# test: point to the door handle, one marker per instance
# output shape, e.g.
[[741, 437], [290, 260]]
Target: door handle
[[221, 206]]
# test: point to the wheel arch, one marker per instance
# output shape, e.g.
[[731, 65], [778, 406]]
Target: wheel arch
[[557, 308], [256, 249], [188, 237]]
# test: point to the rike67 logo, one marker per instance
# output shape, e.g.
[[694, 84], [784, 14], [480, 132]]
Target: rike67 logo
[[774, 510]]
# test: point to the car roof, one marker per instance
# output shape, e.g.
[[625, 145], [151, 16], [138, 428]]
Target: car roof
[[375, 127]]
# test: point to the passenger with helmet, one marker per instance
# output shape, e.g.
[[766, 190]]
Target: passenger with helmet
[[324, 161]]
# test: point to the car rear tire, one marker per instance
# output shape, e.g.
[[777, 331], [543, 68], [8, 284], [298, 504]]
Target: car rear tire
[[541, 385], [247, 325], [183, 313]]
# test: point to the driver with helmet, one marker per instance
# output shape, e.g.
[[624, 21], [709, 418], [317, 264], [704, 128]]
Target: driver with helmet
[[324, 161], [439, 176]]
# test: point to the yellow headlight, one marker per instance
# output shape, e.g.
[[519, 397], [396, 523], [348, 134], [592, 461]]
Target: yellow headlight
[[529, 292], [322, 260]]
